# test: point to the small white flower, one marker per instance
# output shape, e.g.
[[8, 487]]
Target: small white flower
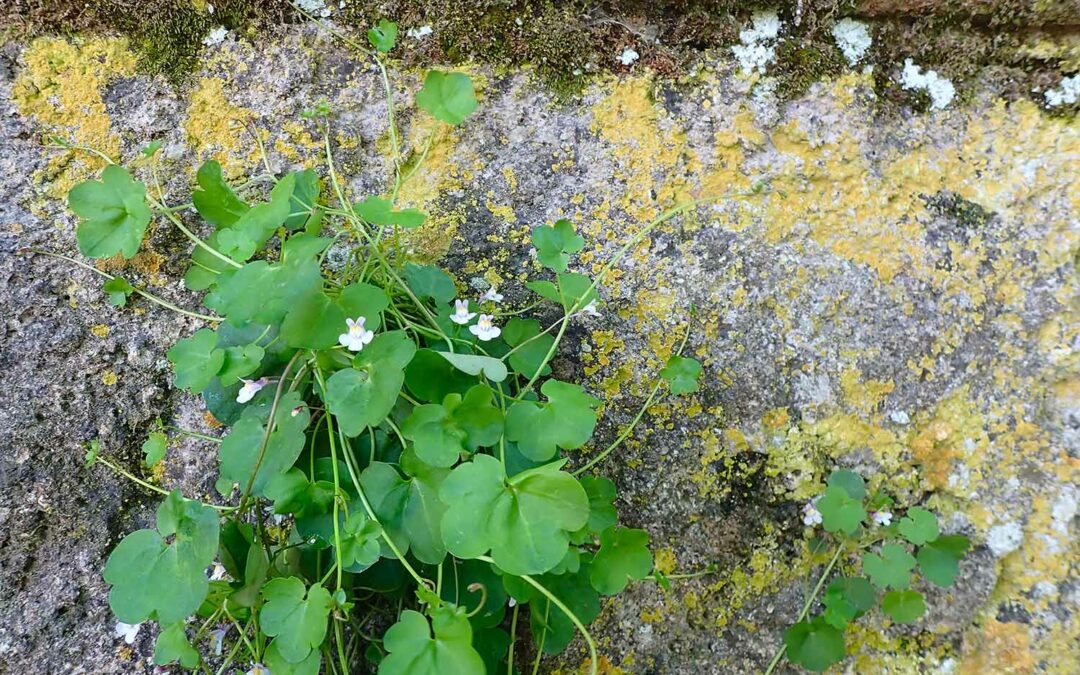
[[217, 639], [462, 315], [485, 329], [811, 516], [258, 669], [209, 8], [128, 631], [419, 33], [250, 388], [512, 603], [628, 56], [589, 309], [356, 336], [216, 36], [883, 518], [217, 572], [492, 294]]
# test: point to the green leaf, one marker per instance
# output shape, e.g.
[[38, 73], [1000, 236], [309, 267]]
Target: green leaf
[[151, 148], [601, 493], [430, 377], [240, 451], [154, 579], [919, 526], [681, 374], [525, 524], [118, 289], [492, 644], [851, 482], [383, 36], [360, 542], [623, 556], [317, 321], [839, 512], [814, 644], [442, 432], [240, 360], [846, 599], [378, 211], [575, 291], [890, 569], [474, 364], [154, 448], [443, 648], [252, 229], [409, 508], [447, 96], [362, 396], [428, 281], [903, 606], [172, 645], [526, 360], [566, 421], [196, 360], [113, 211], [278, 665], [264, 293], [939, 561], [295, 616], [303, 203], [550, 625], [215, 200], [555, 242]]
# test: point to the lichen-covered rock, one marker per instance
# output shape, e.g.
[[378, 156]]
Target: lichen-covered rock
[[893, 294]]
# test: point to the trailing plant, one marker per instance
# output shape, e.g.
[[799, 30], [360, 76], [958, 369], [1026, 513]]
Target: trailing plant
[[395, 453], [860, 526]]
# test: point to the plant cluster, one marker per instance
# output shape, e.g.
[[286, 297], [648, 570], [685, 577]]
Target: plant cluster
[[395, 453], [860, 525]]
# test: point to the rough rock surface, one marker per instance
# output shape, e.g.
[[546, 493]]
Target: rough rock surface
[[892, 293]]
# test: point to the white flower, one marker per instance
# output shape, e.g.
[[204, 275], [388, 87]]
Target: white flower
[[491, 294], [462, 315], [217, 572], [356, 336], [216, 36], [258, 669], [250, 388], [485, 329], [852, 38], [811, 516], [128, 631], [589, 309], [940, 90], [217, 638], [419, 33], [883, 518], [628, 56], [513, 602]]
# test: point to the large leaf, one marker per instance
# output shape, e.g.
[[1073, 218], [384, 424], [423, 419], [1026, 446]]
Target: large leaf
[[891, 569], [243, 449], [814, 645], [409, 508], [196, 360], [623, 557], [566, 421], [362, 396], [113, 211], [443, 648]]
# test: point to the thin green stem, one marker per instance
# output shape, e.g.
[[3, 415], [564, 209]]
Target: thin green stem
[[513, 641], [150, 486], [171, 217]]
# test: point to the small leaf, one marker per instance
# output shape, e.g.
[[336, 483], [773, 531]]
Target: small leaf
[[443, 648], [278, 665], [360, 542], [154, 448], [847, 599], [172, 645], [447, 96], [430, 377], [839, 512], [851, 482], [475, 364], [555, 242], [383, 36], [551, 627], [623, 556], [119, 290], [601, 493], [295, 616], [890, 569], [903, 606], [196, 360], [215, 200], [428, 281], [681, 374], [244, 451], [566, 421], [442, 432], [240, 361], [410, 509], [939, 561], [362, 396], [919, 526], [526, 359], [378, 211], [113, 211], [814, 644], [151, 148]]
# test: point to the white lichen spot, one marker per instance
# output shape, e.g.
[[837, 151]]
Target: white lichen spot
[[853, 39], [314, 7], [1067, 93], [899, 417], [1004, 539], [1064, 509], [757, 48], [216, 36], [419, 32], [628, 56], [939, 89]]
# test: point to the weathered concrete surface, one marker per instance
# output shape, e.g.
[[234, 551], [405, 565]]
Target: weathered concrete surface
[[901, 300]]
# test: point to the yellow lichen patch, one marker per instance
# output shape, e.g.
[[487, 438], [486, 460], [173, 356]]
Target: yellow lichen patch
[[298, 137], [1001, 648], [146, 262], [215, 128], [665, 562], [61, 86], [108, 378], [99, 330], [863, 395], [956, 430]]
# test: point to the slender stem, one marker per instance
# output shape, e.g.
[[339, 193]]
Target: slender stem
[[149, 486], [191, 235], [269, 428], [806, 607], [593, 665], [513, 641]]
